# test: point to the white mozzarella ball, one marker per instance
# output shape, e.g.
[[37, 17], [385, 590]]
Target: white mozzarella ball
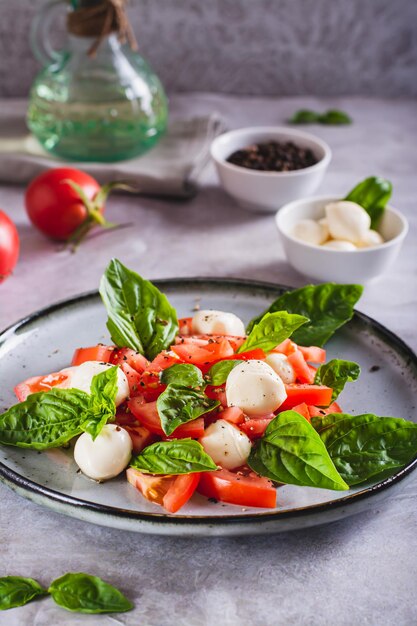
[[210, 322], [226, 444], [325, 226], [281, 366], [255, 388], [339, 244], [80, 377], [311, 232], [107, 455], [372, 238], [347, 221]]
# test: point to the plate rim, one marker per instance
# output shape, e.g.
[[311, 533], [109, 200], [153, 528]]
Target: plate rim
[[15, 480]]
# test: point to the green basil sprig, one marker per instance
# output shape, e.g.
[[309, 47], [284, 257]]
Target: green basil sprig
[[178, 405], [372, 194], [185, 374], [292, 452], [335, 374], [18, 591], [332, 117], [179, 456], [272, 329], [328, 307], [367, 446], [51, 419], [219, 372], [139, 315]]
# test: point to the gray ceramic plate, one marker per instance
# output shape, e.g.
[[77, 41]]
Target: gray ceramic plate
[[45, 341]]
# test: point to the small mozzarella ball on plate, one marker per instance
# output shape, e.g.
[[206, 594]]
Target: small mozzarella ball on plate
[[310, 232], [210, 322], [372, 238], [325, 226], [281, 366], [226, 444], [255, 388], [105, 456], [81, 376], [347, 221], [339, 244]]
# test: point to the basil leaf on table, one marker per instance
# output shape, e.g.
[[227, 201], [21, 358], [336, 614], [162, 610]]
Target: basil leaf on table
[[272, 329], [17, 591], [219, 372], [185, 374], [178, 405], [47, 419], [328, 307], [333, 117], [179, 456], [83, 593], [367, 446], [372, 194], [335, 374], [102, 406], [292, 452], [139, 315]]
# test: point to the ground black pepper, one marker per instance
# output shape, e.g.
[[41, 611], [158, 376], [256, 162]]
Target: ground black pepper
[[273, 157]]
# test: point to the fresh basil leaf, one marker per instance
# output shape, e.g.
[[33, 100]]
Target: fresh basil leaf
[[184, 374], [305, 116], [140, 316], [83, 593], [178, 405], [219, 372], [272, 329], [335, 374], [291, 452], [179, 456], [102, 406], [328, 307], [17, 591], [372, 194], [335, 117], [45, 419], [367, 446]]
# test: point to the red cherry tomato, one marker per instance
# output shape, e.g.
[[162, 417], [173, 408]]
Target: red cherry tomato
[[9, 246], [54, 207]]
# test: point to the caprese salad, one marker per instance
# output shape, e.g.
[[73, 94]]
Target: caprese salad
[[204, 404]]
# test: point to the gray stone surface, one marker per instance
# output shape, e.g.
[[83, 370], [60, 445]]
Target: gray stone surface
[[277, 47], [360, 571]]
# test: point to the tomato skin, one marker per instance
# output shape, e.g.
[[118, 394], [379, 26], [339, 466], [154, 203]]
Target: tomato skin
[[9, 246], [171, 492], [53, 206], [255, 426], [38, 383], [237, 488], [232, 414], [302, 371], [203, 355], [134, 359], [316, 411], [313, 354], [319, 395], [140, 436], [303, 410], [100, 353], [147, 414]]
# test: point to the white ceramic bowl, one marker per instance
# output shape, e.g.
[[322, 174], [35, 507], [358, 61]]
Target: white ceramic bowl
[[267, 191], [324, 264]]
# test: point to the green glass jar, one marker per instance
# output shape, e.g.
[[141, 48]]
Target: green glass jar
[[106, 107]]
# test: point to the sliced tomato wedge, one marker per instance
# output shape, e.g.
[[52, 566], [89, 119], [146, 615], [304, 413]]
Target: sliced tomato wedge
[[313, 354], [303, 410], [185, 326], [140, 436], [301, 370], [147, 414], [203, 355], [255, 427], [39, 383], [286, 347], [319, 395], [127, 356], [232, 414], [217, 393], [242, 488], [100, 353], [171, 492], [316, 411]]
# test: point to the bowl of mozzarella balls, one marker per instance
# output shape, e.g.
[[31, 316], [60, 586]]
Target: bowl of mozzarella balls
[[350, 239]]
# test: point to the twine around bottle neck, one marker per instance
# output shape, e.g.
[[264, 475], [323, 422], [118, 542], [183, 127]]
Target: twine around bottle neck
[[98, 20]]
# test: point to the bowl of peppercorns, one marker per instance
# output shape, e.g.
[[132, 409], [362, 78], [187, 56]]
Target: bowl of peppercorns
[[265, 167]]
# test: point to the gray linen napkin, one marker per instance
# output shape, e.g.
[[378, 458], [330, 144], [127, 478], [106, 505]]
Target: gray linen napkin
[[171, 169]]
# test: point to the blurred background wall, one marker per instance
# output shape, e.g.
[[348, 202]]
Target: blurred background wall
[[277, 47]]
